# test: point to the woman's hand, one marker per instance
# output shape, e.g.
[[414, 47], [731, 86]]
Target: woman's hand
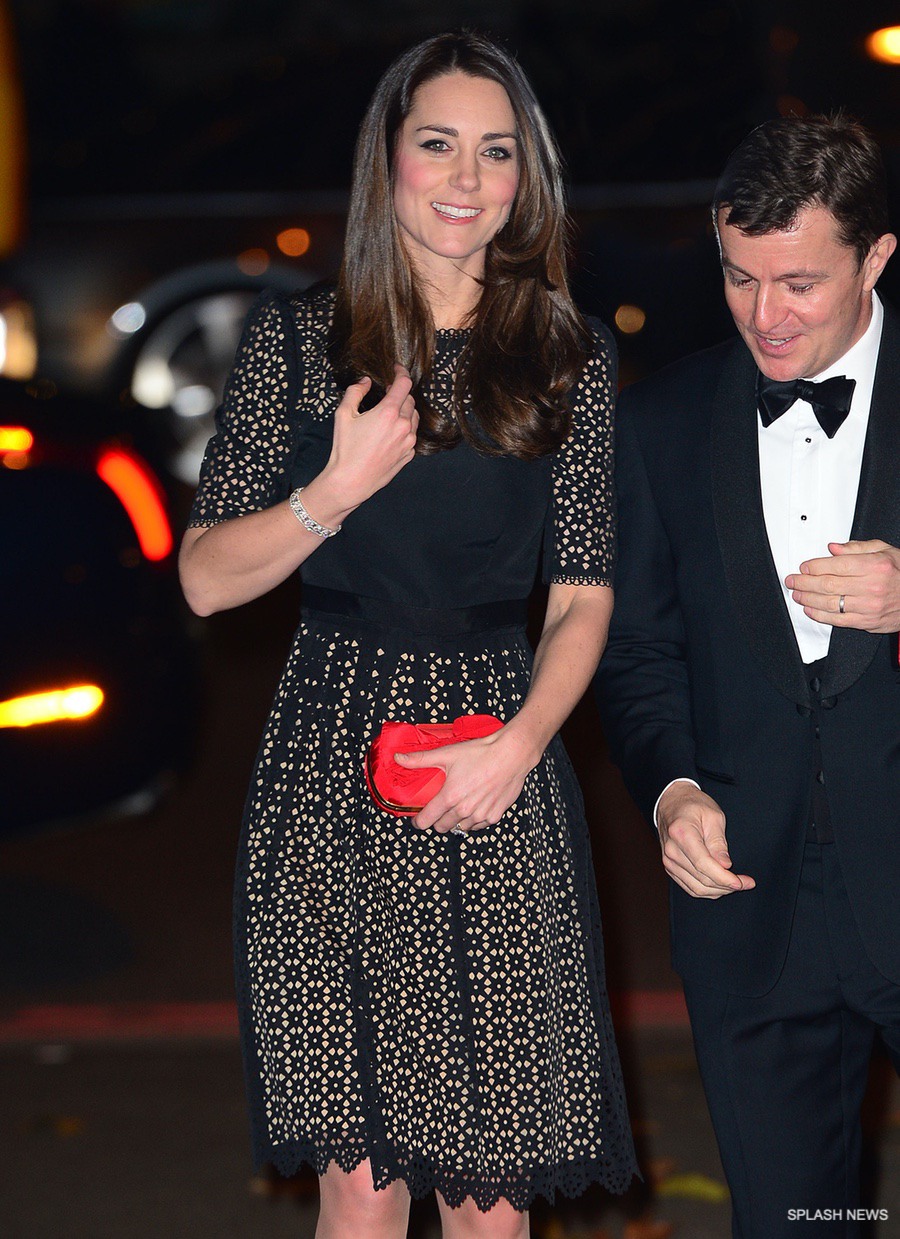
[[227, 564], [370, 448], [484, 777]]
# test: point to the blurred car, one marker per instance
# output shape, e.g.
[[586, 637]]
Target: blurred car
[[98, 683]]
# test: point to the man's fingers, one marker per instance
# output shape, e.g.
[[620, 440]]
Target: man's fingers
[[824, 602], [718, 849], [688, 881], [832, 567], [705, 871], [846, 559], [866, 547], [823, 585], [700, 887], [686, 840]]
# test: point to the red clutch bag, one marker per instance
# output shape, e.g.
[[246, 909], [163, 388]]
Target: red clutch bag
[[402, 791]]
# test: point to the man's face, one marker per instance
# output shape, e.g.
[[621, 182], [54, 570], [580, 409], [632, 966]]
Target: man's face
[[799, 298]]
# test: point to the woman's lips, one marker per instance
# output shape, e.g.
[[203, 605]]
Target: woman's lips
[[456, 214]]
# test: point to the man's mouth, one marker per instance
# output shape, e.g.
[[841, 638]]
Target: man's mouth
[[775, 342], [456, 212]]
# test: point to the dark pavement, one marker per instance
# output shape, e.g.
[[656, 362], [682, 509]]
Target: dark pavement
[[121, 1100]]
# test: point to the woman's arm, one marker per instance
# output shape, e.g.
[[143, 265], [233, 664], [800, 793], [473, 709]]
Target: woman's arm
[[485, 776], [572, 640], [224, 565]]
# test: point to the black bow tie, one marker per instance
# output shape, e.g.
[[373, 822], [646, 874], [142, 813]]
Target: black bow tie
[[830, 399]]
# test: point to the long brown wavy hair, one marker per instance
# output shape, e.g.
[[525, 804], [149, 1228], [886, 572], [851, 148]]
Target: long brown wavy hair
[[528, 343]]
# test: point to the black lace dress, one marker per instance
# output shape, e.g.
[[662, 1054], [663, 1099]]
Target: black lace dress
[[435, 1003]]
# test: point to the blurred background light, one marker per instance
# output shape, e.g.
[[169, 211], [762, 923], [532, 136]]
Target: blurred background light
[[293, 241], [195, 400], [783, 40], [253, 261], [13, 141], [884, 45], [630, 319], [790, 105], [15, 439], [18, 340], [128, 318], [153, 385], [140, 496], [52, 706]]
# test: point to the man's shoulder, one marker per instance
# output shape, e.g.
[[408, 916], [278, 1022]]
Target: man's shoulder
[[891, 316], [683, 383]]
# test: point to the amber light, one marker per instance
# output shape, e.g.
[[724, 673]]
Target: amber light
[[253, 261], [630, 319], [293, 241], [15, 439], [884, 45], [54, 706], [140, 495]]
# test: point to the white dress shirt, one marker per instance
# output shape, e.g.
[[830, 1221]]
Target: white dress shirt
[[810, 482]]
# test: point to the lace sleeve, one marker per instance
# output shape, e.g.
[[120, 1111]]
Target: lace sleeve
[[580, 538], [244, 467]]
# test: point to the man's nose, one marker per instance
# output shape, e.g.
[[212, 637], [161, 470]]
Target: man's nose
[[769, 309]]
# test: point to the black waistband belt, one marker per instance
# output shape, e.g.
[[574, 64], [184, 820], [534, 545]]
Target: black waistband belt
[[453, 622]]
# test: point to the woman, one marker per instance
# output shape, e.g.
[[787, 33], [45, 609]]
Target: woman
[[423, 1001]]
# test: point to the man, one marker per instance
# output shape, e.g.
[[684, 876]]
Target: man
[[750, 688]]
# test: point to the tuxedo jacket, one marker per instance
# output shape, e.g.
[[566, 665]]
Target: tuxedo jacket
[[702, 676]]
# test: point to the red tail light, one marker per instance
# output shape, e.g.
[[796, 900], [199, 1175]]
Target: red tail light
[[142, 498]]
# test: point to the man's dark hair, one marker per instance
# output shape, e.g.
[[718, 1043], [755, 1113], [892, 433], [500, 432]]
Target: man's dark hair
[[805, 161]]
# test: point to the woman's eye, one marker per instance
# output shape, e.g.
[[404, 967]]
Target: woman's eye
[[499, 153], [435, 144]]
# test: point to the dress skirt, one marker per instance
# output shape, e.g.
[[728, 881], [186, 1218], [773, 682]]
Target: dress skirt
[[434, 1003]]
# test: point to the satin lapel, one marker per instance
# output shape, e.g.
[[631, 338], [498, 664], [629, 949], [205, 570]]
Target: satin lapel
[[878, 503], [737, 501]]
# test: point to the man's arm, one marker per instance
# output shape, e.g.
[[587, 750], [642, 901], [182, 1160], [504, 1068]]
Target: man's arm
[[643, 690]]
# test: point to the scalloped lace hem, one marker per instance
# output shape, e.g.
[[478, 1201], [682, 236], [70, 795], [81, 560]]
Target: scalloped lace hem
[[569, 1178]]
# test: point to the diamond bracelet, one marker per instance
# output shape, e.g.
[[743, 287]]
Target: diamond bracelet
[[307, 521]]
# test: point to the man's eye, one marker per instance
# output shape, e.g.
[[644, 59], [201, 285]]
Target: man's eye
[[738, 281], [801, 288]]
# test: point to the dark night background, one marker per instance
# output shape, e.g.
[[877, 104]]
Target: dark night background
[[203, 101], [147, 95]]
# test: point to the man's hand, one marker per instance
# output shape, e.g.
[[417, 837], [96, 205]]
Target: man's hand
[[865, 574], [692, 835]]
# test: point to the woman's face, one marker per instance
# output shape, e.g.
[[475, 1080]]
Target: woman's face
[[456, 170]]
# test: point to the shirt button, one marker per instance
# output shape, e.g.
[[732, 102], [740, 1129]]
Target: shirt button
[[809, 440], [803, 518]]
